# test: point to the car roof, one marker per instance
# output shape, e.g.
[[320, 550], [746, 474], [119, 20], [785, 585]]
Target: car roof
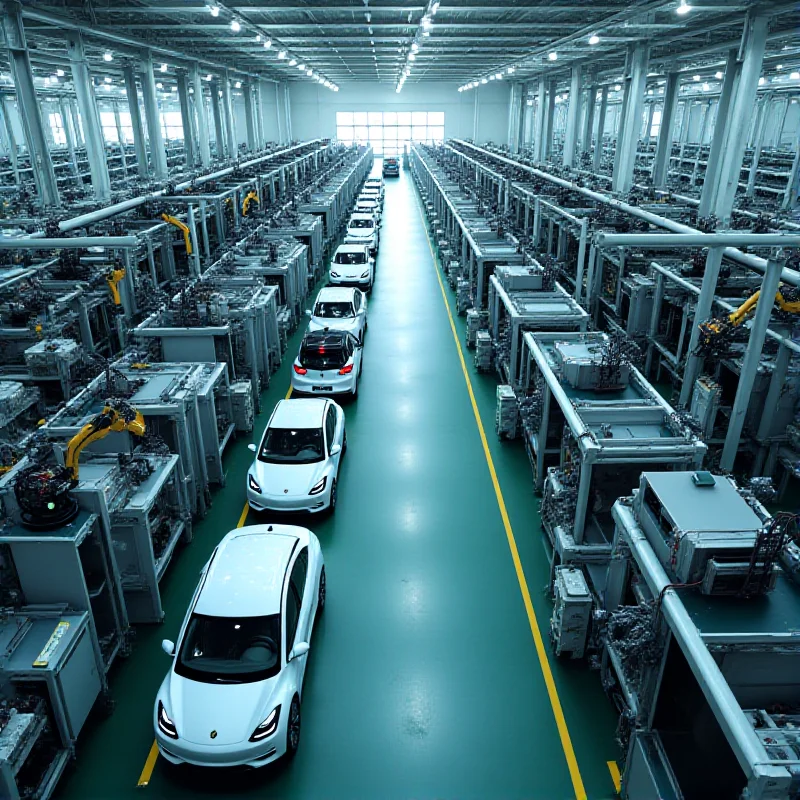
[[374, 178], [361, 216], [325, 338], [245, 578], [334, 294], [297, 412], [370, 198], [351, 248]]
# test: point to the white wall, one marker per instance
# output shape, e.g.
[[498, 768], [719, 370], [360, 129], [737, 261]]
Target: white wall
[[314, 107]]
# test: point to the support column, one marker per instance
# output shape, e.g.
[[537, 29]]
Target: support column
[[259, 112], [793, 184], [755, 40], [701, 135], [227, 116], [633, 119], [588, 120], [153, 117], [249, 118], [782, 124], [571, 133], [664, 142], [514, 117], [287, 104], [69, 133], [219, 132], [541, 112], [551, 114], [136, 120], [201, 115], [29, 111], [121, 140], [759, 144], [623, 113], [186, 117], [601, 127], [8, 128], [755, 344], [90, 117], [702, 311], [651, 112]]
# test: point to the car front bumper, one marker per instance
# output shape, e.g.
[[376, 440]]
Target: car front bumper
[[243, 754], [310, 503], [361, 283]]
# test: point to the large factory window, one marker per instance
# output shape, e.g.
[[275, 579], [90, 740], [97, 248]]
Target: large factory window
[[389, 131], [110, 126], [57, 126]]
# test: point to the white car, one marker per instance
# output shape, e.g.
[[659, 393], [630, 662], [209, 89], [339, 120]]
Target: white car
[[232, 695], [329, 362], [352, 265], [371, 194], [296, 467], [363, 229], [368, 205], [340, 308], [374, 182]]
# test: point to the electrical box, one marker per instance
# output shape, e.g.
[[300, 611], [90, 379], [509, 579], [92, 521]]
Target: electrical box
[[582, 365], [242, 406], [514, 278], [704, 405], [572, 610]]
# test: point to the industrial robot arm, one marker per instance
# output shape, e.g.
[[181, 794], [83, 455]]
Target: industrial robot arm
[[115, 416], [113, 279], [247, 200], [789, 306], [183, 227]]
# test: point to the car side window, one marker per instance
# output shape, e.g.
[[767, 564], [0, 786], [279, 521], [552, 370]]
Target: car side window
[[356, 302], [299, 572], [292, 615], [330, 426]]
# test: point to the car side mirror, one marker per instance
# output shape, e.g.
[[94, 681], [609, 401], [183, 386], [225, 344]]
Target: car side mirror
[[336, 449], [300, 649], [168, 647], [308, 312], [251, 447]]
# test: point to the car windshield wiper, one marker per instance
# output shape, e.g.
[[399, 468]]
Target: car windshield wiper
[[225, 680]]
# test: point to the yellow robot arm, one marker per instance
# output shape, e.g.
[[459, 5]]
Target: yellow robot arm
[[113, 417], [247, 200], [738, 317], [113, 280], [183, 227]]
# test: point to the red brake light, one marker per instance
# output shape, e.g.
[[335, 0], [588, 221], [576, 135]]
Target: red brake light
[[300, 370], [346, 370]]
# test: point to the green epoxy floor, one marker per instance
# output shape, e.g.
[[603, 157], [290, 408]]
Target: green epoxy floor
[[423, 679]]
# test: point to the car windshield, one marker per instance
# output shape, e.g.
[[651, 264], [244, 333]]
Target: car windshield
[[333, 310], [350, 258], [362, 223], [230, 649], [291, 446]]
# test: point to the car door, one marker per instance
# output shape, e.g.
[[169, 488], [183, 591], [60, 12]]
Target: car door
[[357, 351], [332, 435], [299, 598], [358, 310]]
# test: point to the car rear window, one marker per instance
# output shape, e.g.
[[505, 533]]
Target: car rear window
[[350, 258], [322, 357]]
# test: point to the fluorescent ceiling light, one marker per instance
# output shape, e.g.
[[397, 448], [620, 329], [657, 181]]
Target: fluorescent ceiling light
[[762, 81], [235, 26], [683, 8], [412, 57], [780, 66], [60, 73], [617, 87], [414, 47], [695, 77], [107, 56], [107, 79], [510, 70], [237, 85], [158, 85], [553, 56], [718, 76], [795, 76], [293, 62], [268, 44], [499, 76], [258, 37], [426, 33], [208, 77], [301, 67], [483, 80], [282, 54], [214, 11], [491, 77], [594, 39], [163, 68], [706, 87]]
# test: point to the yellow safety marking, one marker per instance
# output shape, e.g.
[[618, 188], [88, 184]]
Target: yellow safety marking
[[152, 757], [541, 651], [149, 765], [615, 776]]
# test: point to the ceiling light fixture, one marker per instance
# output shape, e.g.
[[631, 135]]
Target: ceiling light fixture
[[683, 8], [617, 87], [594, 39], [414, 47], [795, 76], [214, 11], [208, 77], [293, 62], [107, 79], [368, 16], [235, 26], [301, 67], [158, 85], [60, 73], [163, 68], [282, 54], [761, 81], [268, 44], [107, 56], [706, 87], [483, 80], [237, 85], [779, 66], [258, 37], [510, 70], [695, 77], [718, 76], [412, 57], [552, 56]]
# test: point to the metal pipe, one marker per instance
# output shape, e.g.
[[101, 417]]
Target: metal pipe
[[673, 240], [109, 242]]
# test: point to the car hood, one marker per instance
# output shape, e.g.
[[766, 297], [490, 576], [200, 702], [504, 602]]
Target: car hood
[[360, 233], [350, 270], [232, 710], [348, 324], [291, 480]]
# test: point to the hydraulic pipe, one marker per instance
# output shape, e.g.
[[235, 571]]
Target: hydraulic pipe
[[670, 240], [109, 242]]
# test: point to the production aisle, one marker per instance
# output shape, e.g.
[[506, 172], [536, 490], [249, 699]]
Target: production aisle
[[424, 679]]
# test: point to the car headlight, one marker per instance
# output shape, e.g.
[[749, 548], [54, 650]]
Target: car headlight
[[252, 483], [165, 724], [267, 727], [319, 486], [334, 274], [365, 274]]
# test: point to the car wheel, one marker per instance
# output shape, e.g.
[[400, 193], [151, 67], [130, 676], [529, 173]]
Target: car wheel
[[293, 728], [322, 593], [334, 497]]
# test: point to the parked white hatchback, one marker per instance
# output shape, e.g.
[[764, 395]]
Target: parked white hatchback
[[340, 308], [374, 182], [368, 205], [296, 467], [232, 695], [363, 229], [352, 265], [329, 362]]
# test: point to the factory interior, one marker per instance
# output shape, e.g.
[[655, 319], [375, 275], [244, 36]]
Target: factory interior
[[476, 326]]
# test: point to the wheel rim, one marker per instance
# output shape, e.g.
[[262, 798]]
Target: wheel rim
[[322, 590], [294, 725]]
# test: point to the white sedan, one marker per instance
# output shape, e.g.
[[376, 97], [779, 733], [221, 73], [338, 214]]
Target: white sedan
[[297, 461], [232, 695], [329, 362], [340, 308]]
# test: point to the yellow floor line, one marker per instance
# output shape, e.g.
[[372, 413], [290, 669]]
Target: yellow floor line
[[541, 651], [144, 778], [615, 776], [152, 756]]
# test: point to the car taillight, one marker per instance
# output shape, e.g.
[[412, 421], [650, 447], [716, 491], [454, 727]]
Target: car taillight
[[346, 370], [300, 370]]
